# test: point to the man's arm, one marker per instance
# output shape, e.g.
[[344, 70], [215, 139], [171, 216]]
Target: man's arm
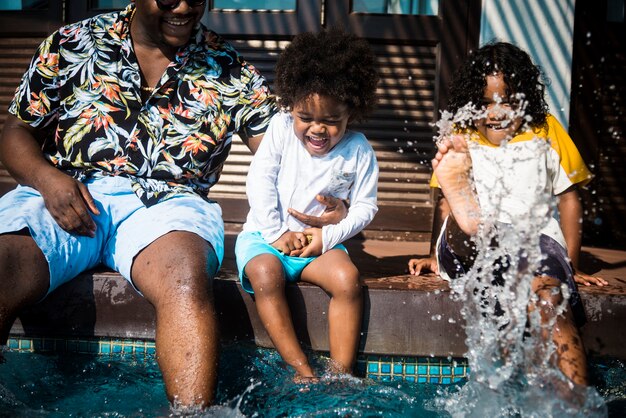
[[67, 199], [336, 210], [253, 142]]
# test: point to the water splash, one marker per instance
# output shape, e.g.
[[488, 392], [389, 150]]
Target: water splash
[[510, 353]]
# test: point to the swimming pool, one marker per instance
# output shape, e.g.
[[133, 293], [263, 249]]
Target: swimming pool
[[252, 383]]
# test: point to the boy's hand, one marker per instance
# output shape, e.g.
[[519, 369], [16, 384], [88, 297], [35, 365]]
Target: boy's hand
[[315, 245], [587, 279], [416, 265], [290, 242], [336, 210]]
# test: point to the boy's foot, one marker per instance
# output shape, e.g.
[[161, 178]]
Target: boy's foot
[[452, 166], [298, 379]]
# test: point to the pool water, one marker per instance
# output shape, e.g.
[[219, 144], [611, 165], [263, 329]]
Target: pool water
[[252, 384]]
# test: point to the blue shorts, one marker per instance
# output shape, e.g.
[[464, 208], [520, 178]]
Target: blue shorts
[[251, 244], [554, 263], [124, 227]]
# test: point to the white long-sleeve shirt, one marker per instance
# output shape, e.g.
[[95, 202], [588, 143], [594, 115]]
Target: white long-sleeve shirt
[[284, 175]]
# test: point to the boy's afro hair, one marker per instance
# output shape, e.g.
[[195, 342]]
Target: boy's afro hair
[[519, 73], [331, 63]]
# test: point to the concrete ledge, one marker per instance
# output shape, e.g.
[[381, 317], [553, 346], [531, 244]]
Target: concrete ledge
[[398, 318]]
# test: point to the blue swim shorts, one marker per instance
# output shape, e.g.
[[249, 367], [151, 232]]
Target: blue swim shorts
[[554, 263], [124, 227], [250, 244]]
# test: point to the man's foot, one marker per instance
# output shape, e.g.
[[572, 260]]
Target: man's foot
[[452, 165]]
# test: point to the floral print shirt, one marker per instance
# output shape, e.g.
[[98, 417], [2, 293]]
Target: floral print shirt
[[83, 88]]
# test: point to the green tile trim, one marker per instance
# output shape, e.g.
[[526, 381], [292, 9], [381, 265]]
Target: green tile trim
[[413, 369], [438, 370], [104, 346]]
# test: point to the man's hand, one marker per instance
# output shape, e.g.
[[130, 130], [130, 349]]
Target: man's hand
[[69, 202], [416, 265], [336, 210], [291, 243]]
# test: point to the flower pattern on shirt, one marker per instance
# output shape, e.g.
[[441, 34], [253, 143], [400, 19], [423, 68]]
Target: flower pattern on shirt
[[83, 89]]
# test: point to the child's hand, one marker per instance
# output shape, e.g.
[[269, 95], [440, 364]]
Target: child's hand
[[315, 245], [416, 265], [290, 242], [587, 279]]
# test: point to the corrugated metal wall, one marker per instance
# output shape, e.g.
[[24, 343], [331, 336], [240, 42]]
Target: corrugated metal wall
[[399, 130]]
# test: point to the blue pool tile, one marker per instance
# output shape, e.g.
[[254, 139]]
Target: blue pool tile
[[421, 379], [372, 368], [14, 344], [446, 380], [385, 368], [397, 368], [446, 370], [410, 379], [26, 345], [422, 369], [433, 370], [105, 348], [433, 380], [409, 369]]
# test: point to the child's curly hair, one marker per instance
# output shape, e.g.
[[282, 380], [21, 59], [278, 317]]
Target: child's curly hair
[[518, 71], [330, 63]]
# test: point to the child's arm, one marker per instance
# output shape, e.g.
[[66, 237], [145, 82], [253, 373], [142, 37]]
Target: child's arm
[[291, 243], [441, 212], [261, 189], [570, 212]]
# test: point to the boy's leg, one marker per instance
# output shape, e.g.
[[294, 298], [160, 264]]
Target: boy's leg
[[335, 273], [24, 278], [266, 275], [452, 165], [570, 352]]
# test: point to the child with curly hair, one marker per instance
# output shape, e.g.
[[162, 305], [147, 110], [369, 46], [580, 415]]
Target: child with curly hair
[[324, 81], [497, 148]]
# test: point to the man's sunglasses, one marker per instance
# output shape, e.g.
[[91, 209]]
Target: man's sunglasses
[[172, 4]]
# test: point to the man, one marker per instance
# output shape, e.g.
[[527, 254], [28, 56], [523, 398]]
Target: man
[[119, 128]]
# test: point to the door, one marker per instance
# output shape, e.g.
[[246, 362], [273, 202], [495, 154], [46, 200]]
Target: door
[[598, 116]]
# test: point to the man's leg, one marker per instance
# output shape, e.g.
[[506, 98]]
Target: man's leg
[[24, 278], [175, 273]]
